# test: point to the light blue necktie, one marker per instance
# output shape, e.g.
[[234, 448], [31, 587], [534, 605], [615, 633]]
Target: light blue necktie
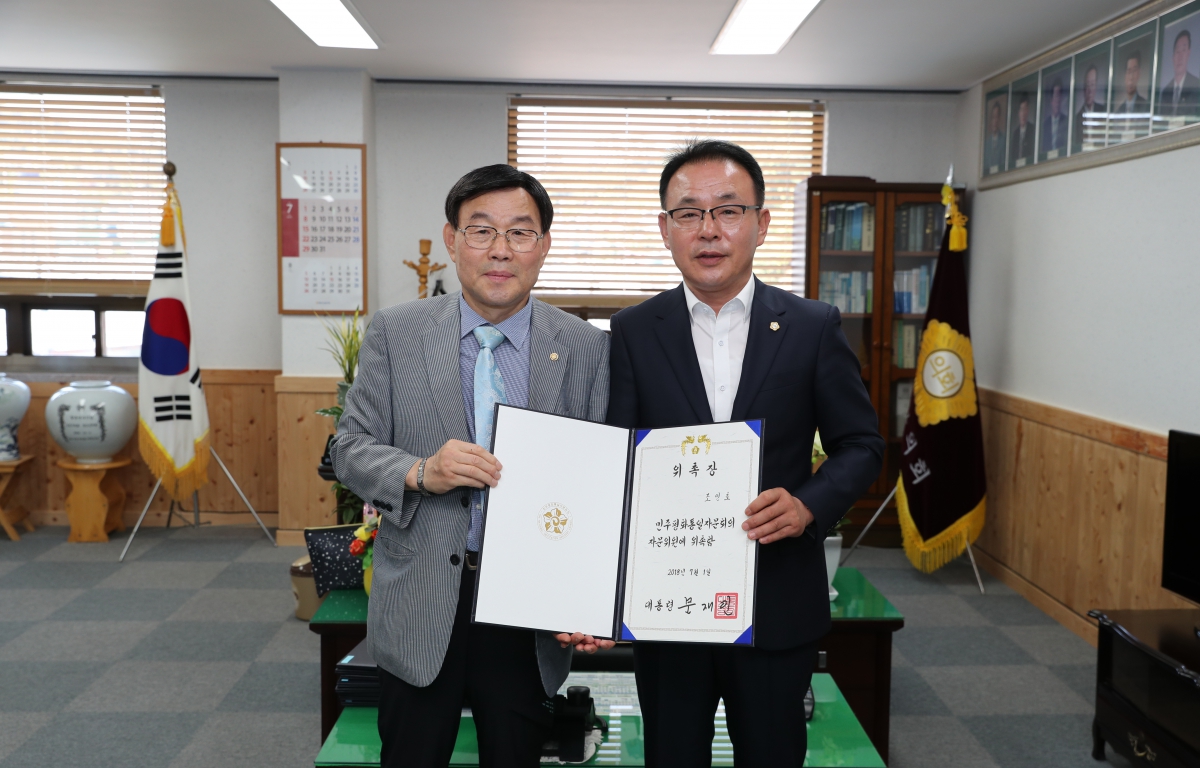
[[489, 384]]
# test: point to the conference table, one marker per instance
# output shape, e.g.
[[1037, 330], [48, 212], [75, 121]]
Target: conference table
[[834, 734], [857, 652]]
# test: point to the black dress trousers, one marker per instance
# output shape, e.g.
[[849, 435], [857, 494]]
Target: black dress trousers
[[493, 670], [679, 685]]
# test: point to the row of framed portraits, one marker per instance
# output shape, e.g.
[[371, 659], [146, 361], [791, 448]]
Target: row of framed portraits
[[1141, 82]]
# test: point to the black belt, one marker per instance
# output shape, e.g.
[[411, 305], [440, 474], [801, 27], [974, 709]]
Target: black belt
[[472, 559]]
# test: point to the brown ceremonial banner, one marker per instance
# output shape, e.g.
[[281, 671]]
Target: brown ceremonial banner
[[941, 494]]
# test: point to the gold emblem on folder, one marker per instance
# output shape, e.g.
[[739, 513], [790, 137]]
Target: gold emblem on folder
[[945, 383], [695, 443], [555, 521]]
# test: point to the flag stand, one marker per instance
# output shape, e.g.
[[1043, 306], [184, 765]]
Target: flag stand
[[974, 567], [195, 512], [875, 517], [196, 506]]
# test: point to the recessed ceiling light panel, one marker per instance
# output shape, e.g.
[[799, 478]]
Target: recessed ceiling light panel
[[761, 27], [328, 23]]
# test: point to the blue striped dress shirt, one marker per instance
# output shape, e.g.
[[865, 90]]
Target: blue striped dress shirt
[[512, 358]]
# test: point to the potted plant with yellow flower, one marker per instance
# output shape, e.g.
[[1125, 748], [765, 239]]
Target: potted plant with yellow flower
[[833, 541], [363, 544], [345, 342]]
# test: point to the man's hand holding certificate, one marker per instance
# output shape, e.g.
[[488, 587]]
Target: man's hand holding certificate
[[628, 534]]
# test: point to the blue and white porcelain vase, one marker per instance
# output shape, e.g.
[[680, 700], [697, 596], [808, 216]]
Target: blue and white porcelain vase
[[14, 401], [91, 420]]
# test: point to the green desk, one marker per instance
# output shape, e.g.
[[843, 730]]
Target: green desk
[[858, 649], [858, 652], [341, 621], [834, 737]]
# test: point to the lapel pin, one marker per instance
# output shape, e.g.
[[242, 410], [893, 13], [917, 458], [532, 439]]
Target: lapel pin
[[774, 326], [553, 355]]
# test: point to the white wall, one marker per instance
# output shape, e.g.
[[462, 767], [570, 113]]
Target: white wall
[[335, 106], [1083, 287], [427, 138], [891, 137], [221, 136]]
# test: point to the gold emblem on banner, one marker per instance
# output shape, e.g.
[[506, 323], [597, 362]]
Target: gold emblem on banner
[[945, 383], [555, 521], [695, 443]]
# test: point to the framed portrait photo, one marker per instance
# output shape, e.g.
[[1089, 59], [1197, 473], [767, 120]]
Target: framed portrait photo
[[1089, 99], [995, 130], [1177, 90], [1133, 71], [1054, 124], [1022, 122]]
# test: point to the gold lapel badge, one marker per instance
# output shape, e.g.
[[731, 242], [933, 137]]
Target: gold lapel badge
[[553, 355], [774, 326]]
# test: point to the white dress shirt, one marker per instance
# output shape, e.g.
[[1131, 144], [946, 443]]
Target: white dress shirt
[[720, 342]]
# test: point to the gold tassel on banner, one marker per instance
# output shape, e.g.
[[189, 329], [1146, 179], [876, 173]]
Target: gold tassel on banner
[[177, 482], [166, 236], [950, 543], [957, 219]]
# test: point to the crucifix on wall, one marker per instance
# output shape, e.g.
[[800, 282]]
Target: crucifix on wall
[[424, 268]]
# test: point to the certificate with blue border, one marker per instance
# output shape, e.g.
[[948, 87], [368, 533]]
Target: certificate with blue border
[[623, 534]]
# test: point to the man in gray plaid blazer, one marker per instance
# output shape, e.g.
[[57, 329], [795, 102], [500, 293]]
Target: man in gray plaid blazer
[[410, 441]]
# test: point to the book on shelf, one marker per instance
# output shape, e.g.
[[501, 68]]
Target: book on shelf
[[848, 227], [850, 292], [910, 289], [906, 342], [919, 227], [904, 390]]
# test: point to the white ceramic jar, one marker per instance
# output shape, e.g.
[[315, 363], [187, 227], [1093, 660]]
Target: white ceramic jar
[[91, 420], [14, 402]]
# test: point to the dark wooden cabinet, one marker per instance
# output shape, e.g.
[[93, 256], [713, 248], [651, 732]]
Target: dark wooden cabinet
[[1148, 687], [866, 243]]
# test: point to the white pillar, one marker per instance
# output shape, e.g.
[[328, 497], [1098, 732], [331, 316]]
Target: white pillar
[[334, 106]]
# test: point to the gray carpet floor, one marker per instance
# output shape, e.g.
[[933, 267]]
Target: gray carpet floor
[[187, 654]]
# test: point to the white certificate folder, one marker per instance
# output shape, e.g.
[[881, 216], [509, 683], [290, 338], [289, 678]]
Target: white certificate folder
[[619, 533]]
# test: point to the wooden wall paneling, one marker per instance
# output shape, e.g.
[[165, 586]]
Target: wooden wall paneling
[[1148, 534], [241, 411], [304, 498], [1075, 510], [242, 423]]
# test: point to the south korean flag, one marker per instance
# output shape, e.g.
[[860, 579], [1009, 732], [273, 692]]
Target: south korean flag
[[173, 416]]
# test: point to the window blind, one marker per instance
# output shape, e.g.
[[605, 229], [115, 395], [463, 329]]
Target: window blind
[[81, 185], [601, 160]]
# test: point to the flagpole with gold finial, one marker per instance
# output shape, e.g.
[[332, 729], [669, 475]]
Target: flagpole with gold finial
[[957, 219], [171, 211]]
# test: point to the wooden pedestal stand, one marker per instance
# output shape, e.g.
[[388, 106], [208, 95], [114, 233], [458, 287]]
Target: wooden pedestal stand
[[96, 501], [8, 519]]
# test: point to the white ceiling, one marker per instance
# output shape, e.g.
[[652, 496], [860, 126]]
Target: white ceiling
[[891, 44]]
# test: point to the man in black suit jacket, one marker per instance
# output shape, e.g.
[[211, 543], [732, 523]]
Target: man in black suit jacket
[[1021, 144], [724, 346], [1181, 96], [1133, 103], [1054, 125]]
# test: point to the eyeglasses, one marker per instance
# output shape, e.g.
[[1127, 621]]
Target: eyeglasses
[[727, 216], [520, 240]]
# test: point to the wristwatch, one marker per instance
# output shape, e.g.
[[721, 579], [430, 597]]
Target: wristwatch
[[421, 478]]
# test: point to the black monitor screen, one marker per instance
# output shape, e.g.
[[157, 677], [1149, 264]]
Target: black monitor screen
[[1181, 533]]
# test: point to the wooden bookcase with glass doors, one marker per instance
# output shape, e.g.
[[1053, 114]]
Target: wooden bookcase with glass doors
[[872, 250]]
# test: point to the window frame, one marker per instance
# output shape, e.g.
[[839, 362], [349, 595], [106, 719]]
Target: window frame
[[602, 305], [96, 135], [19, 332]]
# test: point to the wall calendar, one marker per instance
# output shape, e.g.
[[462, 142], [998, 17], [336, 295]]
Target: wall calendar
[[321, 209]]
